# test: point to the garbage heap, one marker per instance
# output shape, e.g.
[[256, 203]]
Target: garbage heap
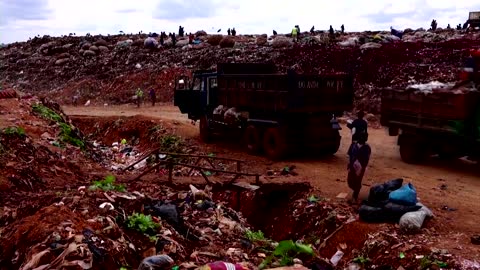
[[110, 68]]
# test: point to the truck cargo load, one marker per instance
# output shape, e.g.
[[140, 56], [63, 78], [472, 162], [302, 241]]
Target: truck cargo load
[[274, 112]]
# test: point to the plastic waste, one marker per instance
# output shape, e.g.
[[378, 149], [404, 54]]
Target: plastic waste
[[406, 195], [371, 214], [413, 221], [158, 262], [223, 266], [378, 194], [336, 258]]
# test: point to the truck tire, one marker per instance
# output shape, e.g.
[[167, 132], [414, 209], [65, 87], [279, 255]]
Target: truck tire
[[253, 139], [412, 151], [333, 148], [205, 131], [274, 143]]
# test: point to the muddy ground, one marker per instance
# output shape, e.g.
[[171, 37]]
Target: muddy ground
[[451, 188], [42, 177]]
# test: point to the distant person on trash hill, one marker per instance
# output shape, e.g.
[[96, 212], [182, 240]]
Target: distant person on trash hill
[[331, 32], [295, 34], [342, 28], [229, 32], [359, 126], [275, 33], [153, 96], [234, 32], [359, 155], [312, 30], [139, 95]]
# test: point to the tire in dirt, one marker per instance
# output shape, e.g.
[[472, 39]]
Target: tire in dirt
[[274, 143], [412, 151], [205, 131], [253, 139]]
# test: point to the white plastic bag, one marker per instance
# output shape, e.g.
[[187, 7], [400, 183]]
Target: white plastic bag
[[412, 222]]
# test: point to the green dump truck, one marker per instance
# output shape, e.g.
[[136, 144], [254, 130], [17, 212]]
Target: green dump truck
[[268, 112]]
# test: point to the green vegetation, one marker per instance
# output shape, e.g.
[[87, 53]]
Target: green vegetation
[[254, 236], [426, 263], [172, 144], [286, 251], [144, 224], [17, 131], [361, 260], [47, 113], [107, 184], [67, 134]]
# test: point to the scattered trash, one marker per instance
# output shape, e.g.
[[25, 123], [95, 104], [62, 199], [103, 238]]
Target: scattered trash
[[158, 262], [336, 257]]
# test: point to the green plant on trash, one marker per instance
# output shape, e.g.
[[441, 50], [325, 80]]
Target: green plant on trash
[[426, 263], [68, 136], [253, 236], [361, 260], [47, 113], [285, 252], [172, 144], [15, 131], [107, 184], [144, 224]]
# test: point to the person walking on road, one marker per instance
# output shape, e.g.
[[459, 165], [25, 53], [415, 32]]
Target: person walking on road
[[153, 96], [139, 95], [358, 126], [359, 156]]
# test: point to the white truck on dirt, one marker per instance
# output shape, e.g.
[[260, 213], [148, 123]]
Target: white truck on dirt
[[270, 113], [443, 121]]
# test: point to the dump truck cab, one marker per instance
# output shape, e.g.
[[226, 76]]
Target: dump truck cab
[[195, 96]]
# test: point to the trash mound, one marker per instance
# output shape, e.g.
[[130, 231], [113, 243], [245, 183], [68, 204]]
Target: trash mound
[[67, 66], [39, 148]]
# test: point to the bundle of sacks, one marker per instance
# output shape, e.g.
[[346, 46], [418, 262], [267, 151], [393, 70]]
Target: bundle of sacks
[[392, 202]]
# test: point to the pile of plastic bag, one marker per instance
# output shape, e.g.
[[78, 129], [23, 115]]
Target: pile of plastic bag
[[392, 202]]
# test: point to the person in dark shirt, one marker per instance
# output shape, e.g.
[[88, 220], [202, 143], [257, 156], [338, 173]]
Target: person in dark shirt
[[360, 126], [359, 156]]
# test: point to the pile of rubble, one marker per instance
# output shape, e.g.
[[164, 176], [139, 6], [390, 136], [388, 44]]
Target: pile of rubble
[[110, 68]]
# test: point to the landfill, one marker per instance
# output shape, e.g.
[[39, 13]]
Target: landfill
[[68, 201], [108, 69]]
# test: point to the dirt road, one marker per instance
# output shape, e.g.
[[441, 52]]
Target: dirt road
[[451, 189]]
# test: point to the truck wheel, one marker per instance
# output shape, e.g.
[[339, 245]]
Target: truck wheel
[[333, 148], [412, 152], [205, 131], [252, 139], [274, 143]]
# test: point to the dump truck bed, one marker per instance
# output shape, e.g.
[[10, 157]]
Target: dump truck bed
[[439, 110], [286, 93]]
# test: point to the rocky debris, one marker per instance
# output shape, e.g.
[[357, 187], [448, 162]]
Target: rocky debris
[[200, 33], [370, 45], [227, 42], [89, 53], [261, 40], [281, 42], [418, 57], [214, 40], [62, 61]]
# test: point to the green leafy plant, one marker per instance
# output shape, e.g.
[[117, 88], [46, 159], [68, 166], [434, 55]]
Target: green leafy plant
[[313, 199], [107, 184], [68, 136], [286, 251], [47, 113], [426, 263], [254, 236], [16, 131], [172, 144], [142, 223], [361, 260]]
